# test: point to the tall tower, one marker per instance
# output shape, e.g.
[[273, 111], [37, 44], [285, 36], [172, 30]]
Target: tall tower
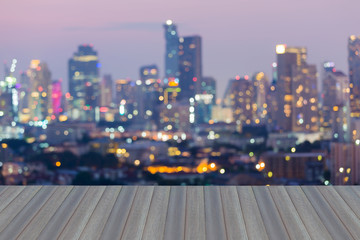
[[106, 91], [84, 83], [190, 66], [40, 103], [172, 49], [296, 90], [354, 75]]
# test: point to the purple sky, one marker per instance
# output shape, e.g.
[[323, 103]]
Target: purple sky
[[239, 36]]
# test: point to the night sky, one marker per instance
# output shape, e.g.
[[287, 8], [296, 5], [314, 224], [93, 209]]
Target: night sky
[[239, 36]]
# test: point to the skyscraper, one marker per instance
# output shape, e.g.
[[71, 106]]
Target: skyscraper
[[190, 66], [84, 83], [260, 101], [354, 74], [172, 49], [239, 96], [40, 104], [56, 98], [336, 107], [9, 102], [106, 91], [296, 90], [149, 98]]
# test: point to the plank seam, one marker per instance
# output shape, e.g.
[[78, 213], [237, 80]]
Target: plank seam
[[346, 202], [131, 208], [277, 208], [336, 213], [12, 200], [72, 214], [36, 214], [147, 215], [167, 211], [102, 231], [92, 212], [223, 211], [186, 203], [242, 213]]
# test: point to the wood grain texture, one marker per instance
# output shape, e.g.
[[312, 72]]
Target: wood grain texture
[[100, 216], [272, 220], [135, 223], [175, 218], [155, 222], [62, 215], [119, 214], [350, 197], [28, 212], [254, 223], [16, 205], [179, 212], [195, 213], [311, 220], [291, 219], [333, 224], [342, 210], [37, 224], [214, 215], [234, 222]]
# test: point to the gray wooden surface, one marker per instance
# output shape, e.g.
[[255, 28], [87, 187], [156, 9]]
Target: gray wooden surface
[[176, 212]]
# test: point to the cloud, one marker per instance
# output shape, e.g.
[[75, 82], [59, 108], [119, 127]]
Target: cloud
[[118, 26]]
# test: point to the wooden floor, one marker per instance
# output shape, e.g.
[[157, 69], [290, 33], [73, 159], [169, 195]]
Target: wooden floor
[[211, 212]]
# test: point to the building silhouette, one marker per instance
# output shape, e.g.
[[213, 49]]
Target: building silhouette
[[84, 83]]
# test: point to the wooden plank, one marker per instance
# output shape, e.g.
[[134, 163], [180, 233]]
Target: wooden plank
[[342, 210], [195, 213], [175, 218], [27, 213], [214, 216], [18, 203], [81, 215], [291, 219], [135, 223], [350, 197], [333, 224], [307, 213], [155, 223], [63, 213], [254, 224], [234, 221], [37, 224], [356, 189], [101, 213], [8, 195], [269, 212], [119, 214]]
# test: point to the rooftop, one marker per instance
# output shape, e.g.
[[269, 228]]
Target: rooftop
[[176, 212]]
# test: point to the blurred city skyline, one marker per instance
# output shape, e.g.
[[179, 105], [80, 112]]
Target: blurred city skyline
[[238, 39]]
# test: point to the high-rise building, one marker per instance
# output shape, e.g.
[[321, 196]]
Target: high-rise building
[[205, 100], [296, 91], [335, 118], [172, 49], [9, 102], [305, 111], [40, 105], [24, 92], [149, 98], [354, 74], [239, 96], [56, 98], [125, 99], [260, 102], [84, 83], [106, 91], [190, 66]]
